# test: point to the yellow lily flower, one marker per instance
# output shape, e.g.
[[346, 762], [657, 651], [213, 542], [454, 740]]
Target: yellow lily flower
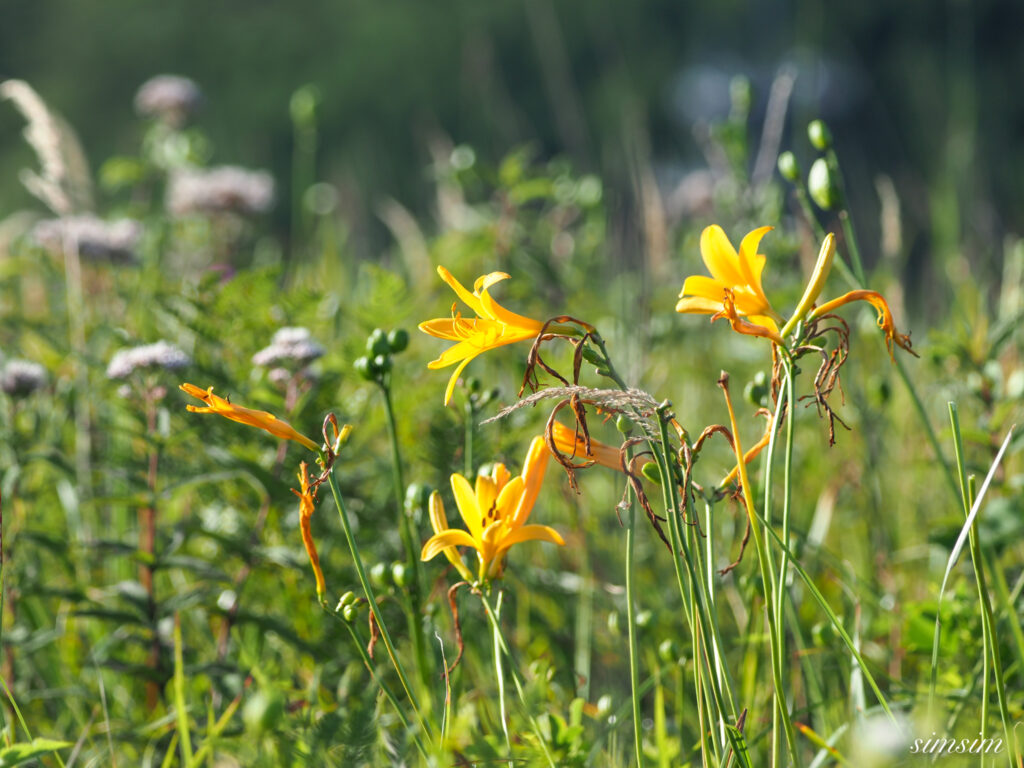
[[261, 419], [493, 326], [739, 273], [306, 507], [495, 513]]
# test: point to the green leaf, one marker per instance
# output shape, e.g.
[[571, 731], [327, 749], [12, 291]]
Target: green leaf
[[16, 754]]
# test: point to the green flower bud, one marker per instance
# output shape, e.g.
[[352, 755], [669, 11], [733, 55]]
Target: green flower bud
[[349, 612], [377, 343], [365, 368], [399, 575], [624, 425], [820, 184], [398, 340], [604, 706], [668, 651], [382, 363], [788, 167], [644, 618], [652, 472], [591, 355], [378, 574], [347, 599], [820, 135], [417, 496]]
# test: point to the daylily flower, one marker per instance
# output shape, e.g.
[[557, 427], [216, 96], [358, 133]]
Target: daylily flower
[[495, 513], [571, 444], [261, 419], [885, 321], [306, 507], [739, 273], [493, 326]]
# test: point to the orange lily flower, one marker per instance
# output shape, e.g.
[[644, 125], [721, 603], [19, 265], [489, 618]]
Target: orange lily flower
[[493, 326], [495, 513], [892, 337], [571, 443], [738, 272], [261, 419], [306, 507]]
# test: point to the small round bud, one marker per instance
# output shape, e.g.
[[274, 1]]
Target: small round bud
[[644, 619], [652, 472], [820, 135], [378, 574], [820, 185], [398, 340], [349, 612], [789, 168], [382, 364], [668, 651], [377, 343], [755, 391], [347, 599], [399, 575], [604, 706], [473, 384], [364, 368], [624, 425], [417, 496]]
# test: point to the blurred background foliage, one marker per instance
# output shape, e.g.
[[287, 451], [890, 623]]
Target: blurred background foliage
[[925, 93]]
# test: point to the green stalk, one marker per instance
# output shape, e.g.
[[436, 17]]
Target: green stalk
[[987, 619], [499, 676], [180, 706], [766, 579], [371, 598], [499, 638], [634, 665], [360, 646], [413, 604], [470, 428]]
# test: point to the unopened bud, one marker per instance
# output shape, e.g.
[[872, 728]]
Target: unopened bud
[[820, 135], [788, 167], [820, 185]]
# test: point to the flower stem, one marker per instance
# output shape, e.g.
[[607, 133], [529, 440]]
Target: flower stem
[[357, 560], [413, 603], [499, 676], [499, 639], [634, 665]]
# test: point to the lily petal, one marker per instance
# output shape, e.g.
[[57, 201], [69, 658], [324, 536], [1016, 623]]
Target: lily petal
[[469, 508], [442, 541], [720, 257]]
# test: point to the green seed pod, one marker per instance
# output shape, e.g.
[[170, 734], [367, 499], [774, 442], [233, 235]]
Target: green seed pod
[[399, 575], [347, 599], [382, 364], [820, 135], [349, 612], [820, 185], [377, 343], [652, 472], [591, 355], [365, 368], [668, 651], [624, 425], [398, 340], [788, 167]]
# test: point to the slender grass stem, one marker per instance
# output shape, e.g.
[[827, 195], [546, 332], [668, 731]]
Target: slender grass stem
[[413, 595], [371, 598], [634, 662], [360, 645], [766, 578], [499, 676], [499, 638]]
